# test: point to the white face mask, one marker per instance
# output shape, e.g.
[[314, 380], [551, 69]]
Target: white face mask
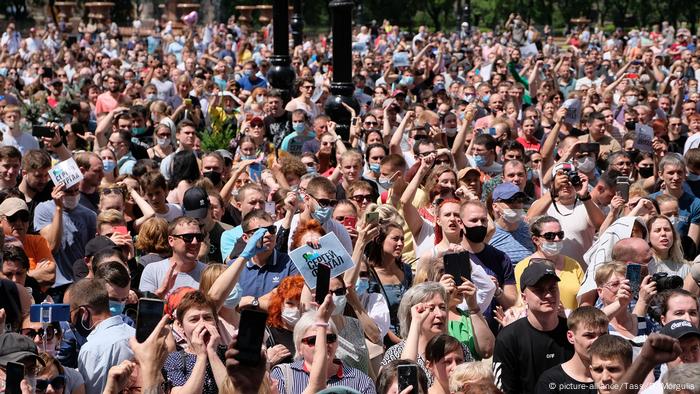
[[512, 215], [163, 141], [339, 301], [70, 202], [291, 316], [586, 165], [552, 248]]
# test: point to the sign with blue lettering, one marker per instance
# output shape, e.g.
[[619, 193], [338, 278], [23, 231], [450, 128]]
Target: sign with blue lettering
[[67, 172], [331, 252]]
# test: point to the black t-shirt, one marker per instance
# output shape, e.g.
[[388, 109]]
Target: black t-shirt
[[90, 201], [522, 353], [214, 255], [44, 195], [555, 380], [277, 128], [280, 336]]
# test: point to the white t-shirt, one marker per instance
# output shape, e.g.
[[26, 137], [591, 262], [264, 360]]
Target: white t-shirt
[[693, 141], [577, 227], [174, 212]]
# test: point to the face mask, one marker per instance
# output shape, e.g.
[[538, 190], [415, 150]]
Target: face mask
[[362, 286], [213, 176], [512, 215], [82, 327], [692, 177], [630, 126], [291, 316], [358, 91], [551, 248], [247, 157], [322, 214], [151, 97], [260, 99], [475, 234], [162, 142], [479, 160], [674, 220], [339, 301], [138, 130], [485, 98], [632, 101], [116, 308], [109, 165], [586, 165], [374, 167], [450, 131], [469, 98], [646, 172], [324, 69], [70, 202], [406, 81], [298, 126], [385, 183], [248, 73], [311, 170], [154, 118]]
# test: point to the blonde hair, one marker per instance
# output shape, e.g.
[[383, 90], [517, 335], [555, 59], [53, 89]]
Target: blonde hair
[[470, 373], [387, 214], [429, 271], [110, 216], [605, 271], [209, 276]]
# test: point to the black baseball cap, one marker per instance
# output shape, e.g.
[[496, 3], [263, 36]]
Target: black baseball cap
[[98, 244], [534, 273], [16, 347], [679, 329], [195, 202]]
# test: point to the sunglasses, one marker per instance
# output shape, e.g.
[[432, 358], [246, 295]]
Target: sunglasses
[[19, 216], [56, 383], [311, 341], [113, 190], [339, 292], [360, 198], [189, 237], [371, 123], [443, 161], [272, 229], [325, 202], [32, 332], [550, 236]]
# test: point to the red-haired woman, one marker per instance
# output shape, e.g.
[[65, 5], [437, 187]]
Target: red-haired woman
[[283, 311]]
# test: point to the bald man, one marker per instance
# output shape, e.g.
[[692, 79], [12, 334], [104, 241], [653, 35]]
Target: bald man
[[629, 250]]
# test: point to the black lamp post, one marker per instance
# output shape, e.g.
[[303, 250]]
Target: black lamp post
[[341, 87], [297, 23], [281, 75]]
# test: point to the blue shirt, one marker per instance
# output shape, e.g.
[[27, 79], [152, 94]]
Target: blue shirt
[[294, 142], [247, 84], [257, 281], [517, 245], [299, 378], [688, 211], [107, 346]]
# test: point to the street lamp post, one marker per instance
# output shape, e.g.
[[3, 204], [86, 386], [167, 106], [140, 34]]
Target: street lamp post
[[297, 23], [281, 75], [341, 87]]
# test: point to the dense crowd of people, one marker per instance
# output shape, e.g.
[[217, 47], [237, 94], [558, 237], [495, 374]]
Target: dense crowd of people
[[521, 216]]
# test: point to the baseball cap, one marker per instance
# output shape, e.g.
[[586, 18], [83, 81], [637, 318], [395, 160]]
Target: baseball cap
[[464, 171], [535, 272], [16, 347], [679, 329], [507, 192], [195, 202], [398, 92], [98, 244], [12, 205], [439, 88], [256, 120], [228, 157]]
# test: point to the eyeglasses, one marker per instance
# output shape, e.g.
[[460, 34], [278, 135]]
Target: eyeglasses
[[371, 123], [360, 198], [308, 87], [31, 332], [19, 216], [443, 161], [674, 124], [550, 236], [311, 341], [112, 190], [188, 238], [339, 292], [272, 229], [56, 383], [325, 202], [425, 154]]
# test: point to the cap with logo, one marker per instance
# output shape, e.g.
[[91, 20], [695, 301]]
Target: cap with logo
[[534, 273], [195, 202], [679, 329]]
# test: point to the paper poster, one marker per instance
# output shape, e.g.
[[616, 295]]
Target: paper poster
[[645, 135], [401, 59], [485, 72], [67, 172], [528, 50], [573, 111], [331, 253], [360, 47]]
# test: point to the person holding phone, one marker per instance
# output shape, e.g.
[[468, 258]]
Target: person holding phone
[[200, 367]]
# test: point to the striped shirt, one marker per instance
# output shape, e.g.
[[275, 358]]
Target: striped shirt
[[294, 378]]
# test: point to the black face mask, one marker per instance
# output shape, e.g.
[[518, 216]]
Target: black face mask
[[630, 126], [81, 324], [475, 234], [213, 176], [646, 172]]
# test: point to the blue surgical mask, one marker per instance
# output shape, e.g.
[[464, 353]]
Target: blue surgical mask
[[109, 165], [116, 308], [246, 157], [374, 167], [248, 73], [406, 80], [479, 160], [361, 286], [151, 97], [485, 98], [385, 183], [311, 170], [322, 214], [298, 126]]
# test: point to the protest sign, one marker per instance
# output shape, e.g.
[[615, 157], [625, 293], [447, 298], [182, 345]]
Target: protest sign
[[66, 172], [485, 72], [573, 111], [528, 50], [401, 59], [645, 135], [331, 253]]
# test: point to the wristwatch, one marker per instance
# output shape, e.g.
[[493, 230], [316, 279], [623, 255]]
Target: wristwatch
[[585, 198], [255, 303]]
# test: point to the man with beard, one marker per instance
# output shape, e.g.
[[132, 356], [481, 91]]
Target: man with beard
[[36, 184], [279, 121], [111, 99]]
